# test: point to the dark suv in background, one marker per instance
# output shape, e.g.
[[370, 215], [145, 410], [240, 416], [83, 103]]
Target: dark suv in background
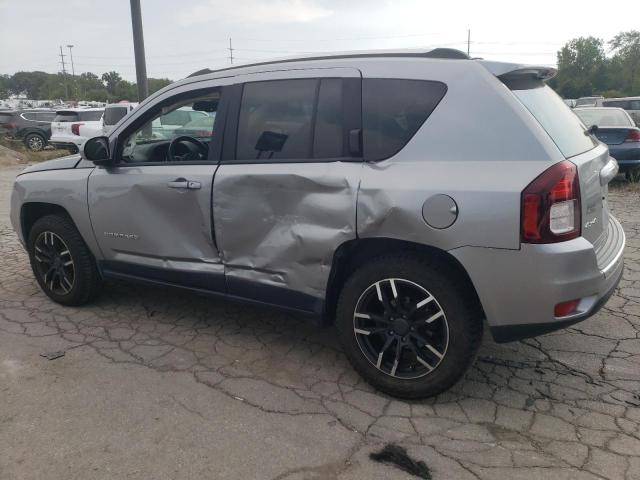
[[32, 127]]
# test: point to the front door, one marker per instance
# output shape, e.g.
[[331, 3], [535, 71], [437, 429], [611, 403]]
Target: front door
[[284, 197], [151, 211]]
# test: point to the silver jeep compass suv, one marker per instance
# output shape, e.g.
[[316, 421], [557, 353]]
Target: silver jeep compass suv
[[406, 196]]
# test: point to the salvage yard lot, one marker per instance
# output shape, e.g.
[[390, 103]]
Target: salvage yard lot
[[158, 383]]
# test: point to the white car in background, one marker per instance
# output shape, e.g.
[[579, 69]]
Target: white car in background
[[72, 127], [113, 113]]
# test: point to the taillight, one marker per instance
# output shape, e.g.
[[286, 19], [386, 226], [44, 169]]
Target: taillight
[[633, 136], [9, 126], [550, 210], [75, 128]]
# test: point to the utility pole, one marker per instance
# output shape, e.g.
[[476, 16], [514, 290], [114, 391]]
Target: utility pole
[[469, 42], [73, 72], [138, 48], [230, 52], [64, 74]]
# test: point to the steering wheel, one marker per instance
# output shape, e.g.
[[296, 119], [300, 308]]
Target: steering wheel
[[198, 154]]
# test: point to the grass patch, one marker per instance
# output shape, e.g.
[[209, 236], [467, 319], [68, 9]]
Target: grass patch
[[15, 153]]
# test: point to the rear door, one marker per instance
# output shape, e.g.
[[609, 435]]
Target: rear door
[[284, 197]]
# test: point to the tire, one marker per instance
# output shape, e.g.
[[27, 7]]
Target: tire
[[53, 242], [35, 142], [447, 310]]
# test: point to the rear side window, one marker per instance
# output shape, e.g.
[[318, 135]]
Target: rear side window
[[32, 116], [66, 117], [564, 128], [392, 112], [328, 140], [113, 115], [276, 120], [617, 103], [45, 116], [91, 116]]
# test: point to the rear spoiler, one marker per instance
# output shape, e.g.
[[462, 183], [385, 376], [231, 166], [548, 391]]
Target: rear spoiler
[[511, 71]]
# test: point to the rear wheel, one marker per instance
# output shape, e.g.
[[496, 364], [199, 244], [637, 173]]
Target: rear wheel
[[408, 327], [35, 142], [61, 262]]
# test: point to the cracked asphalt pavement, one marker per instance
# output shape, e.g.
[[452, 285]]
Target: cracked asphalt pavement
[[164, 384]]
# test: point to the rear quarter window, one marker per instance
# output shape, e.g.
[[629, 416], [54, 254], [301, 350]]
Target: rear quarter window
[[91, 116], [392, 112], [114, 114], [560, 123]]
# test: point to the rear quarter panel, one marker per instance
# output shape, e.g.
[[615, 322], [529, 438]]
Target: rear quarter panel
[[480, 146]]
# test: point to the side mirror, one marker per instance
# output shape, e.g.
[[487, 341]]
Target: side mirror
[[96, 149]]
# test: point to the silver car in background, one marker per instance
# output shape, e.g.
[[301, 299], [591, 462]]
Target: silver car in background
[[407, 196]]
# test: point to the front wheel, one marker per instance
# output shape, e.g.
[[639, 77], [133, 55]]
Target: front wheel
[[61, 262], [409, 327]]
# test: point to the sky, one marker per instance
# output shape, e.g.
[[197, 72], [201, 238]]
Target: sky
[[182, 36]]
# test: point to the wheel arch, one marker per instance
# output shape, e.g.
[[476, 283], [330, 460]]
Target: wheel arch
[[30, 212], [352, 254]]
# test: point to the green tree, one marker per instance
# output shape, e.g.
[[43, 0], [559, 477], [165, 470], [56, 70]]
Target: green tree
[[111, 80], [626, 48], [581, 67], [156, 84], [28, 83], [4, 86]]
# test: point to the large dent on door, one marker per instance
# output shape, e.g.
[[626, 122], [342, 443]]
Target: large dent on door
[[281, 226]]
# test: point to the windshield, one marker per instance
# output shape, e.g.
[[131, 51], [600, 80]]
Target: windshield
[[564, 128], [113, 115], [604, 117]]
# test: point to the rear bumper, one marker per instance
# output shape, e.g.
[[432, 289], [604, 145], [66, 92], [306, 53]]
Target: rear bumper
[[519, 289], [626, 165]]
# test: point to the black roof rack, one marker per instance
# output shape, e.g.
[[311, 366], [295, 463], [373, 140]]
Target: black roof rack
[[450, 53]]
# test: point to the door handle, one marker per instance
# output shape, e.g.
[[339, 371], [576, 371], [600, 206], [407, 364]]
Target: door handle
[[183, 183]]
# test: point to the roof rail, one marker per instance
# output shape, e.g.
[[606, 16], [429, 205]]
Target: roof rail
[[448, 53]]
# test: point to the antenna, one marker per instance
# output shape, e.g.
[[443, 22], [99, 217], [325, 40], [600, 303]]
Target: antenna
[[468, 42]]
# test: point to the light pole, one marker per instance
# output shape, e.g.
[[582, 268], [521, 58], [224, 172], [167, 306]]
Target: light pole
[[138, 48], [73, 70]]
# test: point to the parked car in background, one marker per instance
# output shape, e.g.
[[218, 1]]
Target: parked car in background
[[165, 124], [618, 130], [349, 188], [630, 104], [570, 102], [199, 128], [589, 101], [72, 127], [113, 113], [32, 127]]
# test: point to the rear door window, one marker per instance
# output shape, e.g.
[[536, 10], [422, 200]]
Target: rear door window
[[275, 120], [392, 112], [45, 116], [564, 128]]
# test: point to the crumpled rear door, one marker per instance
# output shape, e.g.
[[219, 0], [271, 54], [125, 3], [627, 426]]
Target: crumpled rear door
[[278, 223]]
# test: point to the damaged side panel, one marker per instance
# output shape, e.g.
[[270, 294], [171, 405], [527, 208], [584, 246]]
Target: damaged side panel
[[279, 224]]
